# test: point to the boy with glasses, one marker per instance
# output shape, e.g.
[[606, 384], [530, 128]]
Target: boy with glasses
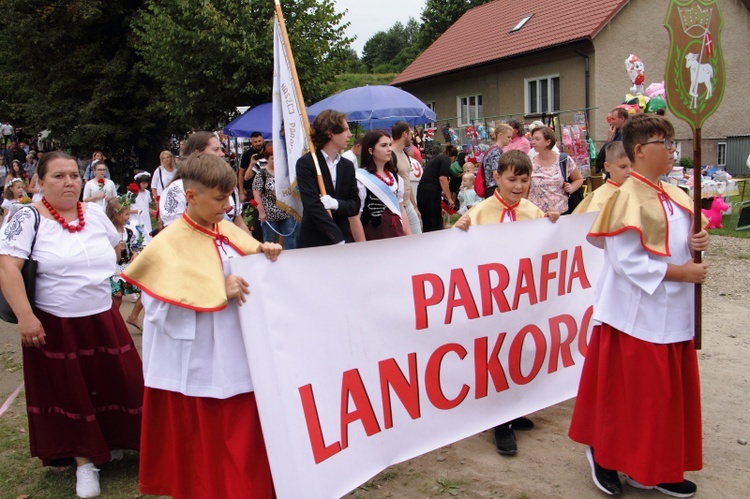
[[638, 407]]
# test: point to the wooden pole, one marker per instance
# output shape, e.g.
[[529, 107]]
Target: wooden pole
[[697, 257], [298, 90]]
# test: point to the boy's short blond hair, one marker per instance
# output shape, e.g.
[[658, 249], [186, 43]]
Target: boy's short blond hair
[[208, 171], [469, 177], [614, 151], [640, 128]]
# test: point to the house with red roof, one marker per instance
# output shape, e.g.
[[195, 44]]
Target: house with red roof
[[524, 59]]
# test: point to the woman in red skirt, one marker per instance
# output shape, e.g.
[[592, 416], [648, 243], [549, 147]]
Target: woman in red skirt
[[83, 375], [638, 406]]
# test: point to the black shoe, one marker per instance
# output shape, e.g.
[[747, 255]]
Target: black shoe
[[608, 481], [505, 440], [522, 424], [685, 488]]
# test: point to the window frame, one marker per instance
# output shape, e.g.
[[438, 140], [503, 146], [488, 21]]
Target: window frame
[[551, 108], [478, 106], [721, 154]]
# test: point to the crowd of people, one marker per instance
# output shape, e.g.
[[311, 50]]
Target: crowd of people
[[89, 396]]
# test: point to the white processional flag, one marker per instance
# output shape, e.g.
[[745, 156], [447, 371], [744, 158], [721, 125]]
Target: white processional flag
[[289, 130]]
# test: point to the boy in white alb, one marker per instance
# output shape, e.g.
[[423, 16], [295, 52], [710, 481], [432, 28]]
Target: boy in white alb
[[201, 433], [507, 203], [638, 406]]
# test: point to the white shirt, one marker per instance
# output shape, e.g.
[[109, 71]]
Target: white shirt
[[351, 157], [173, 203], [74, 267], [94, 187], [632, 295], [331, 163], [198, 354], [161, 179]]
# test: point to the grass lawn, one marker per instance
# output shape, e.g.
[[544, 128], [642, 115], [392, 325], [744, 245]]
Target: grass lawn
[[22, 476]]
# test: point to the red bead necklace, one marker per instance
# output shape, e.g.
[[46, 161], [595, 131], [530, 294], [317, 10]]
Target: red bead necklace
[[61, 220], [388, 180]]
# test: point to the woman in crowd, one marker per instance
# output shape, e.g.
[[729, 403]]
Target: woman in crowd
[[82, 373], [518, 141], [275, 221], [163, 174], [435, 180], [549, 189], [99, 190], [381, 192], [502, 136]]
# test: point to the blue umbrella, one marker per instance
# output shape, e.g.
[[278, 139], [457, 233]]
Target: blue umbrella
[[257, 119], [376, 107]]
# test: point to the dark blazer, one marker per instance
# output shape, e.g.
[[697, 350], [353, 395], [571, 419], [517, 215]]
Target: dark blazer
[[318, 228]]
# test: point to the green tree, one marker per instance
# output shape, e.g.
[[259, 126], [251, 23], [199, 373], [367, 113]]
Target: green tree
[[68, 66], [211, 56], [392, 50], [439, 15]]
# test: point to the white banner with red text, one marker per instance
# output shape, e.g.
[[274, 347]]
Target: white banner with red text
[[365, 355]]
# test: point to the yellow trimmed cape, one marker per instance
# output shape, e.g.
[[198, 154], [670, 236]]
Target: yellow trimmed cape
[[597, 199], [182, 266], [637, 205], [492, 210]]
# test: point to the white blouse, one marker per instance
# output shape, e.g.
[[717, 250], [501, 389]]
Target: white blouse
[[198, 354], [632, 295], [93, 187], [74, 267]]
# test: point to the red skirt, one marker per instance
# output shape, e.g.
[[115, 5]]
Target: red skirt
[[639, 406], [203, 447], [390, 226], [84, 388]]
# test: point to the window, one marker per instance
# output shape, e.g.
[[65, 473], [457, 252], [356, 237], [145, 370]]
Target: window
[[469, 109], [722, 154], [433, 107], [521, 23], [542, 95]]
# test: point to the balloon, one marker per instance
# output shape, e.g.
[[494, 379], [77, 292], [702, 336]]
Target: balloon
[[655, 103], [636, 72], [637, 100], [632, 109], [656, 89]]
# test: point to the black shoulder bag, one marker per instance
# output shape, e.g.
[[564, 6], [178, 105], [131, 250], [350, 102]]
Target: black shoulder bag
[[28, 273], [575, 197]]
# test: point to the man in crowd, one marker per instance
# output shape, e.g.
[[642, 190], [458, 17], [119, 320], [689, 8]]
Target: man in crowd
[[353, 153], [401, 139], [325, 220], [617, 118], [249, 159]]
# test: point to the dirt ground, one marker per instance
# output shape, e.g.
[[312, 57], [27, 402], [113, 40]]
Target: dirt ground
[[549, 465]]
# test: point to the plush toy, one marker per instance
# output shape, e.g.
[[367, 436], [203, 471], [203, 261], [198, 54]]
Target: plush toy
[[714, 214], [636, 72]]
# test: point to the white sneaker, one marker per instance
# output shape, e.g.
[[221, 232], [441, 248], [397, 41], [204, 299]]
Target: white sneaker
[[116, 455], [87, 481]]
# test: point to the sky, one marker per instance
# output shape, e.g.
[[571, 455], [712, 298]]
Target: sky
[[367, 17]]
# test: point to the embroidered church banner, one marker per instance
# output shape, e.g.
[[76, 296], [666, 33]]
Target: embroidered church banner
[[365, 355]]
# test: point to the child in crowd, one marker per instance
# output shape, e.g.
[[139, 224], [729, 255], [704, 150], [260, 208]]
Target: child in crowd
[[201, 432], [638, 406], [141, 213], [14, 196], [467, 196], [125, 249], [508, 203], [618, 170]]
